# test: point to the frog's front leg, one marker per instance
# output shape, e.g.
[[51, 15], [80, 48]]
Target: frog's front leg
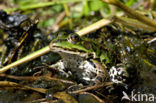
[[59, 66]]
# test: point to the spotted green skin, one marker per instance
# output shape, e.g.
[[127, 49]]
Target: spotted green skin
[[83, 45], [81, 57]]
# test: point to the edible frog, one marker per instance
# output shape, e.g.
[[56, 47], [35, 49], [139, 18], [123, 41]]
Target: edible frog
[[81, 59]]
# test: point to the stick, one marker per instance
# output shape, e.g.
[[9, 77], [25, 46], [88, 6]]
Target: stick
[[131, 12]]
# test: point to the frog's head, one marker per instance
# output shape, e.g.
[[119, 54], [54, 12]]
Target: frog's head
[[76, 45], [70, 44]]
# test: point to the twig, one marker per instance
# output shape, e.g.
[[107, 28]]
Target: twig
[[112, 9], [32, 78], [146, 12], [66, 8], [13, 84], [131, 12], [61, 80], [92, 87], [26, 59], [133, 23], [42, 100], [20, 77], [95, 26], [55, 27]]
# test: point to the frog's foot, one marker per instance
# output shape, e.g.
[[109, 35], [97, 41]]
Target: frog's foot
[[59, 66]]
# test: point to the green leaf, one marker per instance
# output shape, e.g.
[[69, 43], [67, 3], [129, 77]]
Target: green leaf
[[131, 2], [95, 5], [57, 8], [86, 8], [47, 23]]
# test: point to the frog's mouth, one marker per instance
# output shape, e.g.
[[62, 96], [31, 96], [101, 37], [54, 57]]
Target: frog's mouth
[[75, 50], [60, 50]]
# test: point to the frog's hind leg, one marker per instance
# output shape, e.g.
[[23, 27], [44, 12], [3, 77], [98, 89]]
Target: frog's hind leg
[[101, 74]]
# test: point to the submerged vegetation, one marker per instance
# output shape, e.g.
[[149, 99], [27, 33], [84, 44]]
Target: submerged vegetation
[[76, 51]]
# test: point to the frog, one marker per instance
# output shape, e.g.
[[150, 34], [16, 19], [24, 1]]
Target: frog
[[82, 59]]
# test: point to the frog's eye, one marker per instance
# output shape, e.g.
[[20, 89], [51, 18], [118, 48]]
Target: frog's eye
[[74, 38]]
